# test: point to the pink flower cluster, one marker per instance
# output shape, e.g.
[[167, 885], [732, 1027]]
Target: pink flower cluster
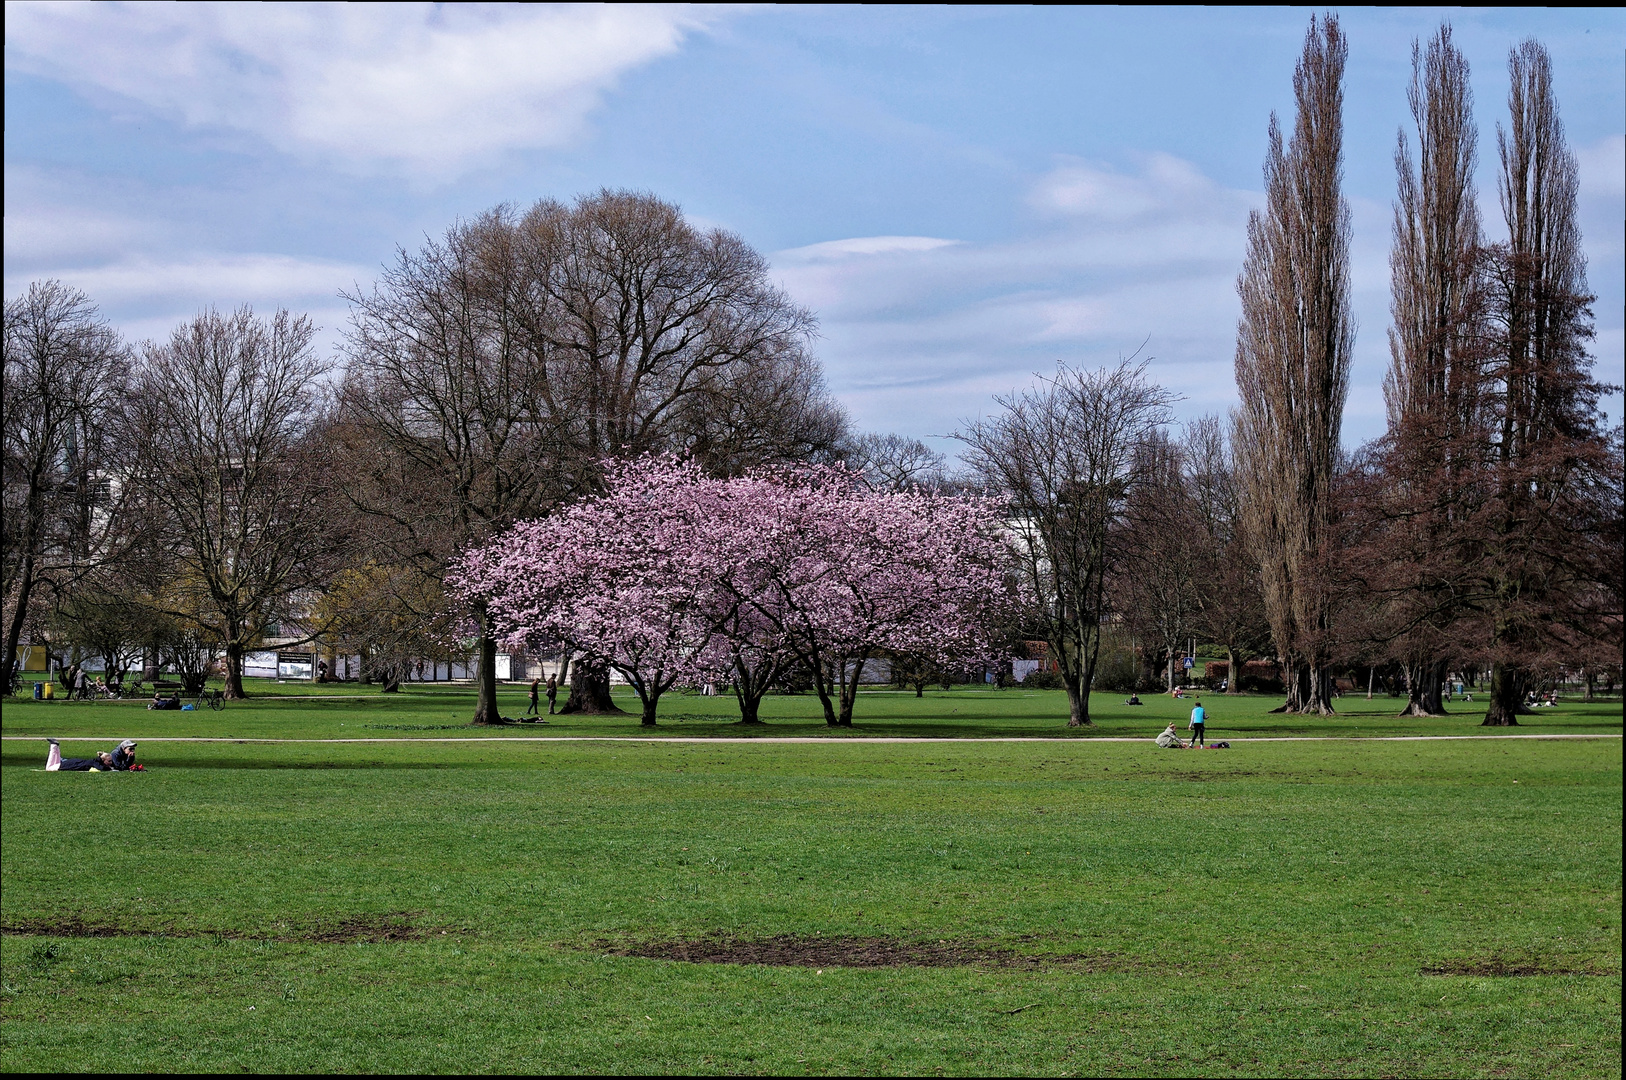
[[672, 576]]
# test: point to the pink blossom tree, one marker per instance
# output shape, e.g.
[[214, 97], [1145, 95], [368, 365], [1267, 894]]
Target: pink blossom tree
[[674, 576], [624, 578], [844, 573]]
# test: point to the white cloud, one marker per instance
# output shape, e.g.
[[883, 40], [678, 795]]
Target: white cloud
[[426, 88], [220, 280], [860, 246], [920, 332]]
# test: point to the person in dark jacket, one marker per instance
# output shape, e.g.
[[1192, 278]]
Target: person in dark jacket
[[121, 759], [55, 762]]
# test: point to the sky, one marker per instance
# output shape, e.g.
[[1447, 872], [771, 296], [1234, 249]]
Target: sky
[[964, 197]]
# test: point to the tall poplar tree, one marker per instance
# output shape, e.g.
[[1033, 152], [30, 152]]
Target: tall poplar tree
[[1556, 489], [1433, 450], [1292, 367]]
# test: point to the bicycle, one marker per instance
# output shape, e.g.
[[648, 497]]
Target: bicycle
[[214, 699]]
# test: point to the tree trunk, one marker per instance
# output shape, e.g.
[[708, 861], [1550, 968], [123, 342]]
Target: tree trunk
[[486, 710], [392, 685], [19, 615], [1078, 706], [824, 700], [590, 691], [1294, 679], [849, 691], [749, 704], [234, 671], [1590, 680], [649, 702], [1231, 673], [1318, 701], [1425, 682], [1506, 696]]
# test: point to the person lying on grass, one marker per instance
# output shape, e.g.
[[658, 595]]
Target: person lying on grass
[[159, 701], [120, 760], [1169, 740]]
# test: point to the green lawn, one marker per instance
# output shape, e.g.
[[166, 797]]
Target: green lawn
[[1372, 908], [291, 711]]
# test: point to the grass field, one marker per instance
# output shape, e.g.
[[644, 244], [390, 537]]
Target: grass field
[[1330, 907]]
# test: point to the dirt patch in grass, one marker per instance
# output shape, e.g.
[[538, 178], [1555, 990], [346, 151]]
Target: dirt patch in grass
[[801, 950], [1501, 967], [372, 929]]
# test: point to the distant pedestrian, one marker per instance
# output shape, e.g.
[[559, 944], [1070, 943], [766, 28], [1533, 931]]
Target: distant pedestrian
[[1198, 716], [531, 708], [553, 691]]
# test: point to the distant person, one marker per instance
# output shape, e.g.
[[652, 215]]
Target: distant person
[[1169, 740], [553, 691], [1134, 699], [531, 708], [162, 703], [1198, 716]]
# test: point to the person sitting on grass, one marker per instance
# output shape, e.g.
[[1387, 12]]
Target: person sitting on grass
[[55, 762], [1134, 699], [1169, 740], [159, 701]]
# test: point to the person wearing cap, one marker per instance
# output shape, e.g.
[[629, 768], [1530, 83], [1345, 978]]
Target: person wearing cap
[[102, 762]]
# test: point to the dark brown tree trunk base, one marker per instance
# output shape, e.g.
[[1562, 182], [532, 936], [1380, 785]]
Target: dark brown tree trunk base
[[590, 694]]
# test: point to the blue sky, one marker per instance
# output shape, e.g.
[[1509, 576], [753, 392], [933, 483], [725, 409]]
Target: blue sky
[[963, 196]]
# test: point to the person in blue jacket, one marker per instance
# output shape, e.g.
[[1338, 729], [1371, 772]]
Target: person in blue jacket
[[1198, 716]]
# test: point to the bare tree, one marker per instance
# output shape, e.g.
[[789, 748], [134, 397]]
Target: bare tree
[[219, 429], [895, 462], [773, 411], [1292, 367], [1433, 454], [64, 374], [1063, 453], [493, 373], [1555, 508], [1154, 587], [444, 425], [1229, 609]]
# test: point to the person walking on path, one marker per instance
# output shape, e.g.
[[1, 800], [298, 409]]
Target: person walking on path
[[1198, 716], [531, 708], [553, 691]]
